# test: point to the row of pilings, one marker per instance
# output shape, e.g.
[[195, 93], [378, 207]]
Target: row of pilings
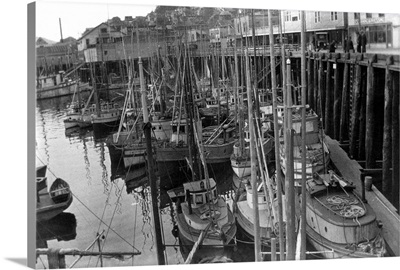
[[357, 97]]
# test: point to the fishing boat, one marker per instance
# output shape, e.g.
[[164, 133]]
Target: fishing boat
[[218, 142], [244, 213], [54, 85], [240, 158], [317, 152], [79, 115], [108, 116], [205, 212], [339, 223], [54, 201]]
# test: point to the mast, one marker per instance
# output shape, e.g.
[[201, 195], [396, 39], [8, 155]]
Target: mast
[[153, 186], [288, 142], [303, 143], [257, 103], [257, 242], [238, 109], [276, 135]]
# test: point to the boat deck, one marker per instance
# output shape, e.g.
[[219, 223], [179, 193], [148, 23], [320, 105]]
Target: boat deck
[[384, 210]]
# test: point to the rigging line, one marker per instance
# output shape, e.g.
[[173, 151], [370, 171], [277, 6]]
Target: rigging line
[[116, 206], [104, 210], [44, 266], [103, 221], [134, 230]]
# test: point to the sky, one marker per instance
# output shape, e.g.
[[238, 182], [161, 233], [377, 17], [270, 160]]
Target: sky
[[77, 16]]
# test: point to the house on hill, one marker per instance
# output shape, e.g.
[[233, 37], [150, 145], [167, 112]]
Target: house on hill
[[41, 41]]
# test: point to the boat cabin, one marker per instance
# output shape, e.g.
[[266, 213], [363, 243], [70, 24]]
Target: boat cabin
[[261, 198], [180, 131], [211, 102], [197, 194]]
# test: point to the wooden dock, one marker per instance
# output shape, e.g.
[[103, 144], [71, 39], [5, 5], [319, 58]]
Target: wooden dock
[[384, 210]]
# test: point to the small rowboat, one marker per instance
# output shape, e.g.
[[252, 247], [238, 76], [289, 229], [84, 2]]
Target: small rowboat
[[53, 202], [59, 191]]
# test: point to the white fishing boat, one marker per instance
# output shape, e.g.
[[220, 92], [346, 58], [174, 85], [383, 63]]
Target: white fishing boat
[[240, 158], [317, 152], [339, 223], [244, 213], [203, 206]]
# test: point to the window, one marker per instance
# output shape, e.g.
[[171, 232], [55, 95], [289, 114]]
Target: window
[[333, 16], [199, 199], [317, 17], [368, 15], [296, 17], [381, 15], [103, 30], [356, 16], [377, 34], [287, 16], [87, 41]]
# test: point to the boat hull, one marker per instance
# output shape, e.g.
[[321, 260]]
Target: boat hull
[[192, 235], [241, 167], [47, 209], [171, 153], [216, 153], [331, 250]]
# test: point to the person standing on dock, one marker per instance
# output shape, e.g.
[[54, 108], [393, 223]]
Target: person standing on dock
[[349, 47], [358, 42], [332, 46], [363, 42]]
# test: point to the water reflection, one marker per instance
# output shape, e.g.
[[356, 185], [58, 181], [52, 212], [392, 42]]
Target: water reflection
[[110, 197], [61, 228]]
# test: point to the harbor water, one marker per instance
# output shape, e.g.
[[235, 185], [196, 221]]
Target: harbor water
[[101, 201]]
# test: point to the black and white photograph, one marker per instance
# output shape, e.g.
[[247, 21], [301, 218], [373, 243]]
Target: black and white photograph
[[192, 133]]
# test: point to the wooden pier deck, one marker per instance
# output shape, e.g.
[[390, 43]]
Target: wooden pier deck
[[384, 210]]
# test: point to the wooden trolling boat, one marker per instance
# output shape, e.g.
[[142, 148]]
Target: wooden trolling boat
[[240, 159], [108, 116], [317, 153], [55, 85], [54, 201], [80, 115], [244, 213], [41, 179], [202, 207], [218, 142], [176, 149], [339, 223]]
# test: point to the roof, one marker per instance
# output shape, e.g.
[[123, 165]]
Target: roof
[[44, 41]]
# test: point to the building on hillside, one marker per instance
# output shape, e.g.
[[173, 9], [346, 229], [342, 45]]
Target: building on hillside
[[54, 58], [97, 43]]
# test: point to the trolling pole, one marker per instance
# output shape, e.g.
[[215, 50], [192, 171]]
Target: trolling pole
[[276, 135], [303, 143], [153, 186]]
